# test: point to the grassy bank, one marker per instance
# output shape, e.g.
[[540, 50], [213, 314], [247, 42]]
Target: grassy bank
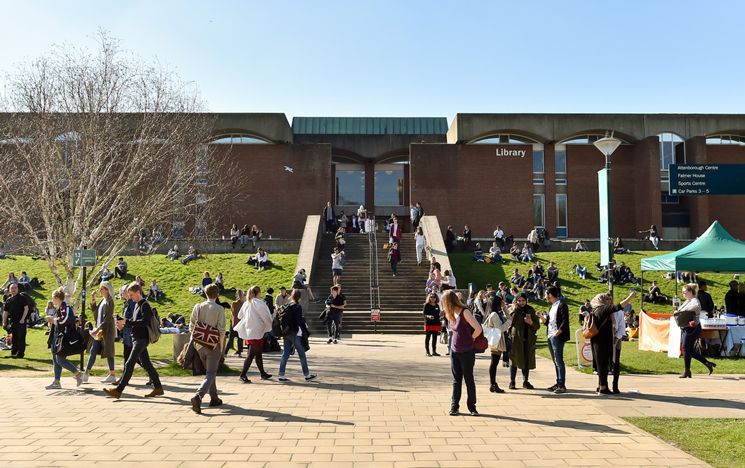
[[577, 290], [720, 442], [174, 278]]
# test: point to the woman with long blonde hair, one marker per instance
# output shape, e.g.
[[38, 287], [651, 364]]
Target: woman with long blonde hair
[[465, 329], [255, 320]]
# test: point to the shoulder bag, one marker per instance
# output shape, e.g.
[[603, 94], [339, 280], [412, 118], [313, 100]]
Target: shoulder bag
[[589, 329], [204, 334]]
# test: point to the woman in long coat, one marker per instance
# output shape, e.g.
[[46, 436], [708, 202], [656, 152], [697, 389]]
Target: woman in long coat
[[525, 324], [104, 333]]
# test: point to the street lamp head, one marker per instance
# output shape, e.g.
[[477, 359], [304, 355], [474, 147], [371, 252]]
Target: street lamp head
[[607, 145]]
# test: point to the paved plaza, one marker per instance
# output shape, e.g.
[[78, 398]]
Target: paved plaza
[[378, 402]]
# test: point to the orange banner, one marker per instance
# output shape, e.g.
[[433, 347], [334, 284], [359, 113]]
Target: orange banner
[[654, 332]]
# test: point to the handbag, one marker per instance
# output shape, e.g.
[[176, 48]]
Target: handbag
[[205, 335], [684, 317], [480, 344], [70, 341], [493, 335], [589, 329]]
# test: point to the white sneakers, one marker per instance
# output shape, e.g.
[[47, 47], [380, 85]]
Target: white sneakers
[[54, 385], [84, 379], [109, 379]]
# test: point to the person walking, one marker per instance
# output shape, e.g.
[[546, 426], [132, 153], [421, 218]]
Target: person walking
[[558, 333], [497, 318], [525, 324], [462, 357], [619, 330], [337, 265], [432, 324], [104, 334], [687, 318], [235, 307], [16, 311], [336, 304], [63, 318], [394, 256], [602, 343], [295, 334], [255, 320], [208, 315], [421, 242], [141, 315]]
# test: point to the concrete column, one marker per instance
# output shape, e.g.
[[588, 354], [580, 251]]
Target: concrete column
[[549, 168], [647, 187], [370, 186]]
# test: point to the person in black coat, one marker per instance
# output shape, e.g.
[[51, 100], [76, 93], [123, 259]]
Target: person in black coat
[[602, 343], [295, 334], [557, 323], [432, 324]]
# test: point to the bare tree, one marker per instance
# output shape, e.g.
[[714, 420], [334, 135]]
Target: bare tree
[[95, 146]]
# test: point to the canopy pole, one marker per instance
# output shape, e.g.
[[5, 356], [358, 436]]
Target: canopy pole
[[641, 293]]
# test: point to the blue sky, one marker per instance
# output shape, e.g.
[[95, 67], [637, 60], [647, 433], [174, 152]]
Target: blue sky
[[417, 58]]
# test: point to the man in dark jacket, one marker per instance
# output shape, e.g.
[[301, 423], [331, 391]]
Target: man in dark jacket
[[15, 315], [557, 322], [732, 300], [140, 340]]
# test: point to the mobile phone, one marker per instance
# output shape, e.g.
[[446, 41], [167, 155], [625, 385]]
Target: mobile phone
[[632, 290]]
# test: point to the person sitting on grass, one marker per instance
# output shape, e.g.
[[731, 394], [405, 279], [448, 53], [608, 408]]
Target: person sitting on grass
[[106, 274], [155, 291], [654, 294], [526, 255], [206, 279], [448, 281], [538, 269], [618, 247], [517, 279], [530, 280], [538, 292], [478, 253], [515, 253], [120, 270], [496, 253], [191, 255], [553, 272], [580, 271], [262, 260], [173, 253], [579, 246], [24, 282]]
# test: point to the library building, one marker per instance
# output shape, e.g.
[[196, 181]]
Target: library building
[[519, 171]]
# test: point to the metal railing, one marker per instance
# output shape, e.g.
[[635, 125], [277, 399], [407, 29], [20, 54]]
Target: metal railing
[[374, 281]]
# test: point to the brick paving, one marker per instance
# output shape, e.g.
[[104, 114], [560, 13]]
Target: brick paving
[[378, 402]]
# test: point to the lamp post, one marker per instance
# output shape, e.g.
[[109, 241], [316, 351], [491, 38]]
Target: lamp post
[[606, 146]]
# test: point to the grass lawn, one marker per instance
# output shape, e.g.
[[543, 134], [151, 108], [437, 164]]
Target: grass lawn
[[577, 290], [174, 278], [720, 442]]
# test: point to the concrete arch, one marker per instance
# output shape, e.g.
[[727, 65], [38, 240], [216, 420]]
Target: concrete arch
[[347, 156], [393, 156], [599, 132], [224, 133]]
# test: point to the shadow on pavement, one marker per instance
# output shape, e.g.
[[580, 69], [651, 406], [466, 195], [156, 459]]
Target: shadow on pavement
[[269, 415], [563, 423]]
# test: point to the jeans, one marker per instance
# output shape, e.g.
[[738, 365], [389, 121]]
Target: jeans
[[690, 335], [211, 361], [18, 347], [333, 324], [431, 335], [419, 252], [233, 335], [60, 362], [394, 263], [556, 347], [513, 374], [508, 345], [139, 352], [297, 342], [96, 350], [461, 365]]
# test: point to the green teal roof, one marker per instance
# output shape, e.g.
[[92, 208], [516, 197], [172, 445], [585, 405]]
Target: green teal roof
[[369, 125]]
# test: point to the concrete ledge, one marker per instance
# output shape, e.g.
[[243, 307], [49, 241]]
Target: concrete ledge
[[593, 245], [307, 252], [435, 241]]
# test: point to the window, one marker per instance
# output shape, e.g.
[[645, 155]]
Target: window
[[670, 146], [504, 139], [350, 184], [585, 139], [539, 208], [560, 164], [538, 165], [725, 140], [389, 185], [238, 139], [561, 215]]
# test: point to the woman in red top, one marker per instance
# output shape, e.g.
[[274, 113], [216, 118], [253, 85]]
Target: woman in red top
[[432, 324], [394, 256]]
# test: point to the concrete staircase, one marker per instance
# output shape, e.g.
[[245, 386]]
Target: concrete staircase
[[401, 297]]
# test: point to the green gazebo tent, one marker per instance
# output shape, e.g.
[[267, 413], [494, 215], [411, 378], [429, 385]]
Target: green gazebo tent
[[716, 250]]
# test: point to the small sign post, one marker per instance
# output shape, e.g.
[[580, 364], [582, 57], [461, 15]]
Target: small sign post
[[83, 258], [375, 318]]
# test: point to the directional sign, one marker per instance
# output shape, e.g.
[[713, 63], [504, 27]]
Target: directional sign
[[84, 258], [375, 315], [707, 179]]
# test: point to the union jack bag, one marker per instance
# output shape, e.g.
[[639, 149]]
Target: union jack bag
[[206, 335]]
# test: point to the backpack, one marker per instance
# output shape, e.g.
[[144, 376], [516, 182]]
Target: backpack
[[33, 310], [279, 325], [153, 327]]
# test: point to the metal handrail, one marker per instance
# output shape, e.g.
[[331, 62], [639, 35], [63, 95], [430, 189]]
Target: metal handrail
[[374, 282]]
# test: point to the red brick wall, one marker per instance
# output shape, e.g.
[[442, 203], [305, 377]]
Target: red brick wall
[[728, 209], [583, 163], [471, 185], [267, 195]]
